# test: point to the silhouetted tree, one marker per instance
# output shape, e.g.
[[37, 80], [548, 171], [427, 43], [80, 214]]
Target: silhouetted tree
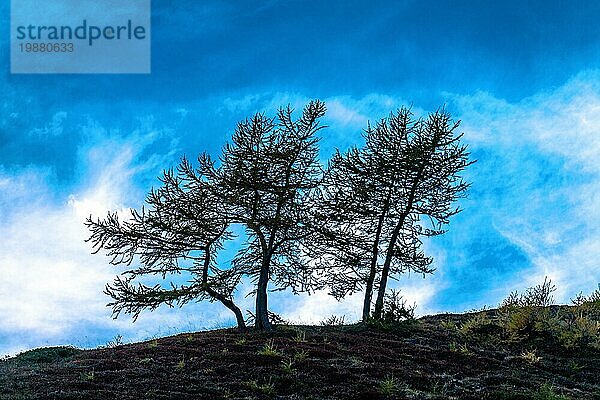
[[180, 233], [266, 174], [377, 202]]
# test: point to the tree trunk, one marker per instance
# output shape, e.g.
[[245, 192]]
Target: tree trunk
[[386, 269], [227, 302], [366, 314], [262, 312], [241, 324]]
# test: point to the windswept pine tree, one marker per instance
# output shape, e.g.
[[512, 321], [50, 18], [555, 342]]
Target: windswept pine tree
[[180, 232], [266, 175], [378, 202]]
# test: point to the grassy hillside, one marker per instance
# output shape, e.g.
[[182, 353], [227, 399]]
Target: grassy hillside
[[467, 356]]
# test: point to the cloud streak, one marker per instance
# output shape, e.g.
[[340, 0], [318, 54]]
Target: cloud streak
[[541, 172], [50, 285]]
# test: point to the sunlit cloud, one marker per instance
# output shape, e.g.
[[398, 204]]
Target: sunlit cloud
[[50, 283], [544, 184]]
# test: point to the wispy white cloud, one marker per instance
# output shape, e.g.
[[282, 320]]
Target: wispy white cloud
[[50, 285], [544, 186], [47, 280], [53, 128]]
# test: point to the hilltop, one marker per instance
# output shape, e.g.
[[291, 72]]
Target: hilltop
[[446, 356]]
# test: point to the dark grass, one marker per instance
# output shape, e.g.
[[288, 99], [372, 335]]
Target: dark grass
[[424, 359]]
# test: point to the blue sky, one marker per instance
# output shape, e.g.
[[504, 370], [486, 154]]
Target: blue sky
[[523, 77]]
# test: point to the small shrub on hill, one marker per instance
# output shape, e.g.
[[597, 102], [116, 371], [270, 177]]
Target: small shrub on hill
[[530, 357], [388, 386], [266, 388], [477, 324], [582, 332], [588, 306], [528, 314], [270, 349], [395, 313], [546, 392], [395, 308], [333, 320]]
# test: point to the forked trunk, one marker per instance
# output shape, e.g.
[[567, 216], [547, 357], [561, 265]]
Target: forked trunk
[[366, 314], [390, 250], [386, 270]]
